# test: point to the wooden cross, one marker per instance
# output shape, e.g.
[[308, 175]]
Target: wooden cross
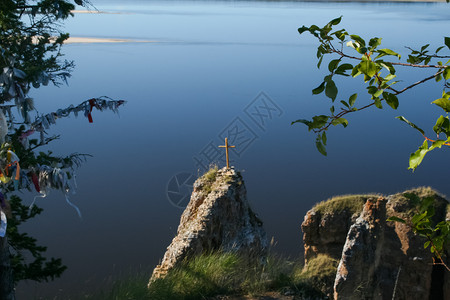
[[226, 151]]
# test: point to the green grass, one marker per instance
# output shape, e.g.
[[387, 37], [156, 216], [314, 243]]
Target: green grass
[[205, 276], [350, 203], [211, 174], [209, 177], [318, 275]]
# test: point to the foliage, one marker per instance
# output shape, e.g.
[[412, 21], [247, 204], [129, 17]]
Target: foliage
[[351, 203], [40, 268], [377, 67], [30, 56], [422, 223]]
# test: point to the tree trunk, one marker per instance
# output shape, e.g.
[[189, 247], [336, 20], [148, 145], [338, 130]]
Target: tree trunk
[[6, 276]]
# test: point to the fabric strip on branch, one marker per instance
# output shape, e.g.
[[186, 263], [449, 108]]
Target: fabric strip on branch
[[3, 224]]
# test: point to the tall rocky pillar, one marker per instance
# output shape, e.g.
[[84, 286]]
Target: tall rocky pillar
[[6, 276], [218, 217], [356, 274]]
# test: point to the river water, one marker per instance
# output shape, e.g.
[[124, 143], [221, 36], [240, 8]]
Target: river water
[[192, 73]]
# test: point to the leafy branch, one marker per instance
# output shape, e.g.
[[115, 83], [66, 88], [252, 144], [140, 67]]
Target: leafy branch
[[422, 224], [377, 67]]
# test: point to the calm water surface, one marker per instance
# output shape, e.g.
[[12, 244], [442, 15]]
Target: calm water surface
[[196, 82]]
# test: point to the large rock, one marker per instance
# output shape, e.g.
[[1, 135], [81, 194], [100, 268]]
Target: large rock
[[379, 259], [382, 260], [218, 217], [326, 225]]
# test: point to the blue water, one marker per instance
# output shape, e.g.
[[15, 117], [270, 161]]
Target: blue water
[[200, 79]]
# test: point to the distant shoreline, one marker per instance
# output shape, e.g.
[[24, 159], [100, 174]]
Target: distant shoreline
[[88, 40]]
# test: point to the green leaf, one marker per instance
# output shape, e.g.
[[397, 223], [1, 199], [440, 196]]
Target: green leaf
[[319, 89], [368, 67], [442, 125], [324, 138], [387, 65], [362, 50], [447, 41], [401, 118], [372, 89], [331, 90], [345, 103], [438, 77], [439, 49], [443, 103], [343, 68], [356, 71], [333, 64], [319, 121], [446, 73], [416, 158], [375, 42], [335, 21], [352, 99], [303, 121], [332, 109], [378, 103], [445, 95], [320, 62], [391, 100], [396, 219], [424, 47], [383, 52], [389, 77], [303, 29], [321, 147], [378, 93], [419, 217], [358, 39], [437, 144], [338, 121], [427, 243]]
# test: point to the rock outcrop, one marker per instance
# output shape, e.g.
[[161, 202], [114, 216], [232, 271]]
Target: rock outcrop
[[218, 217], [325, 227], [381, 259]]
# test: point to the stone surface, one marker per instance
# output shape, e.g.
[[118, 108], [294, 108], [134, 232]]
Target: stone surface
[[379, 258], [218, 217], [386, 260], [324, 231]]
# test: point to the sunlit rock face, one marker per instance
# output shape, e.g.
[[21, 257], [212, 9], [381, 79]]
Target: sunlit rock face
[[378, 259], [218, 217]]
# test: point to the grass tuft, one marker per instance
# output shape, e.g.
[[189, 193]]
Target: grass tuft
[[351, 203], [207, 275], [318, 274], [210, 177]]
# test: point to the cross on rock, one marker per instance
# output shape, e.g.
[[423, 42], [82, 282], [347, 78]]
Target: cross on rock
[[226, 146]]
